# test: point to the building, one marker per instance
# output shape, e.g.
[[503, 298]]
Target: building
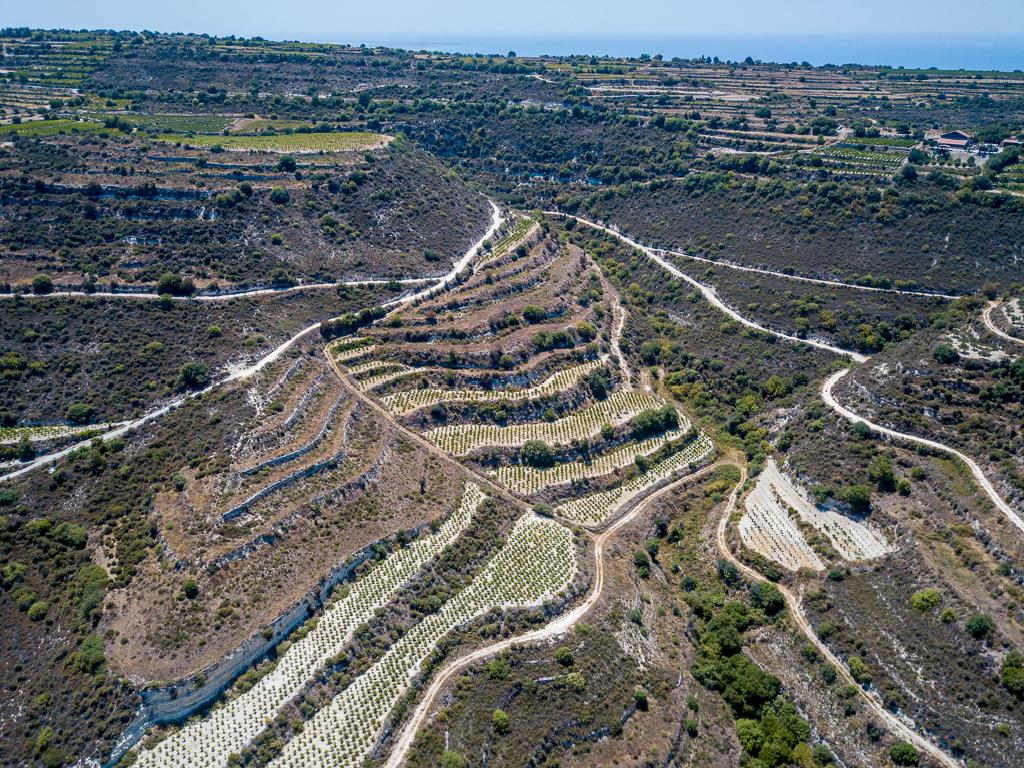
[[1012, 141], [954, 139]]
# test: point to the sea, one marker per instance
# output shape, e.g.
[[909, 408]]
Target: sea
[[967, 52]]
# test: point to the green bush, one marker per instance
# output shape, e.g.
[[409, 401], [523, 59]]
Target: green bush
[[926, 599], [904, 754], [537, 453], [500, 721], [979, 626]]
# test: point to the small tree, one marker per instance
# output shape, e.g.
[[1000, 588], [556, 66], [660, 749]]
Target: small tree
[[501, 722], [42, 284], [904, 753], [537, 453], [980, 626], [190, 589]]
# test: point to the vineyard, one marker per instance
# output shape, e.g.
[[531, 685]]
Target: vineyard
[[599, 508], [461, 439], [528, 480], [768, 526], [535, 563], [298, 143], [49, 432], [228, 728], [405, 402]]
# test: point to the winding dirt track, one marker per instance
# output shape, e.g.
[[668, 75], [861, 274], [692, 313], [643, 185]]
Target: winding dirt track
[[986, 318], [559, 626], [709, 293], [979, 476], [895, 724], [771, 272], [247, 372]]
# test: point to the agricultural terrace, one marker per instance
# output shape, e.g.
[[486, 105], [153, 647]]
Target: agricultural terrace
[[293, 143], [598, 508], [228, 728], [584, 424], [768, 526], [529, 480], [409, 400], [536, 563]]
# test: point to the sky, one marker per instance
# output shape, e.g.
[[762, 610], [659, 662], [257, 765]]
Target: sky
[[422, 19]]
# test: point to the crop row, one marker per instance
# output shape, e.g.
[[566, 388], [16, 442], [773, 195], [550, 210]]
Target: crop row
[[527, 480], [535, 564], [289, 142], [47, 432], [585, 423], [354, 352], [410, 400], [599, 507], [227, 729], [767, 528]]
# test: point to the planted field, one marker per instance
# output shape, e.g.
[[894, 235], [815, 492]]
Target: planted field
[[178, 123], [586, 423], [48, 432], [229, 728], [410, 400], [49, 128], [600, 507], [534, 565], [298, 143], [768, 526], [527, 480]]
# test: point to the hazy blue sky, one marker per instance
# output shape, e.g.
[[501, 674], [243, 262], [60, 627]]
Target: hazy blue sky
[[357, 20]]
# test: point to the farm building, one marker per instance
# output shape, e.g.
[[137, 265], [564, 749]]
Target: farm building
[[1011, 141], [952, 139]]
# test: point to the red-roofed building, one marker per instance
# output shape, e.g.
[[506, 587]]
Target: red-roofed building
[[954, 139]]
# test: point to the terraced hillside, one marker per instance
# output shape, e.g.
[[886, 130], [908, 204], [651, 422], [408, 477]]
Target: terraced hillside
[[518, 372]]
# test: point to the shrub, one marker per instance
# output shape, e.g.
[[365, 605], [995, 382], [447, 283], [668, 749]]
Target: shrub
[[279, 196], [190, 589], [89, 656], [501, 722], [452, 759], [859, 669], [563, 655], [79, 413], [858, 497], [42, 284], [767, 597], [944, 353], [904, 753], [537, 453], [1011, 673], [193, 375], [979, 626], [171, 284], [37, 611], [926, 599], [534, 314]]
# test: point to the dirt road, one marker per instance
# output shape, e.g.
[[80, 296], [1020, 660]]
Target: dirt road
[[894, 723]]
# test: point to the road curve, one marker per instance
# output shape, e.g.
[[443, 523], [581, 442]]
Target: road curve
[[979, 476], [774, 273], [895, 724], [559, 626], [246, 372], [986, 318], [709, 293]]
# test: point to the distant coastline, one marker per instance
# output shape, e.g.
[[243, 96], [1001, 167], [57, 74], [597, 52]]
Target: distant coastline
[[970, 52]]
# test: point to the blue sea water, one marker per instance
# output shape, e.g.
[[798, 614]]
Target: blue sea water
[[973, 52]]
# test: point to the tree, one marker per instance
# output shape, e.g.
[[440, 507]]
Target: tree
[[882, 474], [501, 722], [42, 284], [944, 353], [537, 453], [79, 413], [534, 314], [904, 753], [1011, 673], [190, 589], [279, 196], [767, 597], [172, 284], [452, 759], [563, 655], [979, 626], [858, 497], [193, 375]]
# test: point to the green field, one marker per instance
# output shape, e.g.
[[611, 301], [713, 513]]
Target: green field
[[49, 127], [289, 142]]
